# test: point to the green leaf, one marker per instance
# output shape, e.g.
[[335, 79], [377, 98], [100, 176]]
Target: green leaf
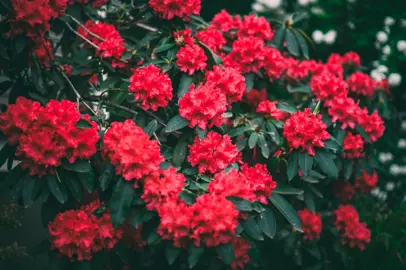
[[201, 133], [263, 144], [88, 180], [253, 139], [20, 42], [226, 253], [302, 43], [267, 223], [347, 169], [305, 162], [74, 186], [293, 165], [286, 190], [179, 153], [326, 164], [214, 59], [82, 123], [286, 107], [176, 123], [171, 253], [151, 127], [279, 37], [31, 187], [315, 191], [252, 228], [362, 132], [249, 81], [332, 144], [292, 43], [241, 204], [199, 19], [238, 131], [194, 255], [80, 166], [139, 216], [164, 47], [56, 188], [5, 152], [120, 202], [300, 89], [273, 132], [5, 85], [286, 210], [309, 201], [106, 175], [187, 196], [6, 4], [340, 135], [184, 84]]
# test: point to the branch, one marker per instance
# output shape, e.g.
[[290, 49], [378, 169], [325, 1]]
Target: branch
[[109, 103], [81, 36], [147, 27], [85, 28]]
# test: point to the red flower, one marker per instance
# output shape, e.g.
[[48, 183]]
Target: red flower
[[94, 79], [241, 247], [343, 190], [152, 87], [203, 106], [305, 130], [191, 58], [269, 110], [326, 87], [43, 52], [351, 59], [372, 124], [183, 37], [247, 55], [168, 9], [361, 84], [229, 82], [260, 181], [161, 187], [382, 85], [57, 7], [335, 59], [356, 235], [225, 22], [231, 184], [254, 97], [131, 151], [274, 63], [366, 182], [99, 3], [255, 27], [345, 110], [215, 220], [212, 38], [67, 69], [296, 71], [311, 224], [111, 47], [345, 214], [353, 146], [213, 153]]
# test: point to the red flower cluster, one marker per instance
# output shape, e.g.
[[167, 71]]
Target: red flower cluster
[[343, 190], [353, 146], [95, 3], [212, 38], [161, 187], [131, 151], [353, 233], [168, 9], [213, 153], [366, 182], [183, 37], [269, 110], [203, 106], [43, 51], [225, 22], [255, 27], [247, 55], [228, 81], [311, 224], [305, 130], [79, 234], [112, 44], [345, 110], [361, 84], [241, 248], [254, 97], [372, 124], [191, 58], [274, 63], [327, 87], [350, 59], [152, 87], [259, 181], [46, 136]]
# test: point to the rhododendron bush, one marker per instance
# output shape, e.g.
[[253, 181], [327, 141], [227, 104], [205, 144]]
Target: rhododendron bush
[[153, 138]]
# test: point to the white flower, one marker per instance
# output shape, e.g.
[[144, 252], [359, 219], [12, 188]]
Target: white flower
[[382, 68], [303, 2], [402, 143], [318, 36], [376, 75], [101, 13], [390, 186], [394, 79], [330, 37], [257, 7], [271, 3], [401, 45], [394, 169], [386, 50], [403, 125], [389, 21], [385, 157], [382, 37]]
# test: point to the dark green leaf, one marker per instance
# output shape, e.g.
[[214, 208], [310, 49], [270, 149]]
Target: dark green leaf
[[253, 139], [279, 37], [88, 180], [292, 43], [263, 144], [11, 178], [340, 134], [273, 132], [315, 191], [300, 89], [187, 197], [151, 127], [239, 131], [20, 42], [293, 165], [214, 59], [171, 253], [303, 44], [252, 228], [177, 122], [118, 97], [120, 202], [286, 190], [5, 152], [305, 162], [267, 223], [249, 81], [347, 169], [4, 86], [314, 251], [31, 187], [362, 132], [241, 204], [139, 216], [184, 84], [179, 153], [75, 187], [309, 201], [286, 107], [332, 144], [165, 47], [6, 4], [326, 164], [194, 255], [286, 210], [82, 123], [201, 133], [199, 19], [80, 166], [56, 188], [226, 253], [106, 175]]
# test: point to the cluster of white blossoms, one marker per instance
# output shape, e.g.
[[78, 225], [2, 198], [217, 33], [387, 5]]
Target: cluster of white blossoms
[[264, 5], [328, 38]]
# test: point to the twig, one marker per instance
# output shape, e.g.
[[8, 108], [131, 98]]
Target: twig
[[81, 36], [84, 27], [147, 27]]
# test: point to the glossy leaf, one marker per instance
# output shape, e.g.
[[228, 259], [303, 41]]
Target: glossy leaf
[[326, 164], [120, 202], [292, 43], [286, 210], [184, 84], [176, 123], [241, 204], [305, 162], [252, 228], [293, 165], [253, 139], [171, 253], [194, 255], [226, 253], [267, 223], [57, 189], [80, 166]]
